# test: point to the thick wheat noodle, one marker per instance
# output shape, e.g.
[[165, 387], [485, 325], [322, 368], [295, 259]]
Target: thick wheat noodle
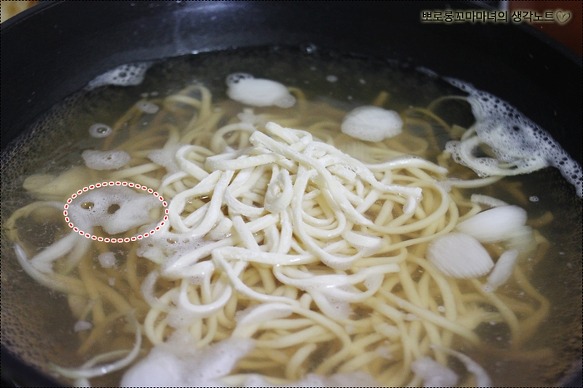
[[66, 284]]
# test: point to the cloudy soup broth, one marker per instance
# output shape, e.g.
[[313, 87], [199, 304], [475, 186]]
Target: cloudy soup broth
[[280, 216]]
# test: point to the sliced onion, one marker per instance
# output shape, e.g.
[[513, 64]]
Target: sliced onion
[[487, 200], [460, 256], [494, 224], [481, 376], [521, 239], [502, 270]]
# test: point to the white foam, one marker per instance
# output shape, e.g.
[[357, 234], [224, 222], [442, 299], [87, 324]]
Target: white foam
[[352, 379], [147, 107], [82, 326], [124, 75], [433, 373], [107, 259], [259, 92], [165, 157], [234, 78], [514, 138], [179, 362], [162, 247], [105, 160], [249, 117], [116, 209], [371, 123]]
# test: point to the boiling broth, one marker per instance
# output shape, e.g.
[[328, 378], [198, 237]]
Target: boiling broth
[[333, 85]]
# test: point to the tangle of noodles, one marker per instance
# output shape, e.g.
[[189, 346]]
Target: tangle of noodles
[[282, 230]]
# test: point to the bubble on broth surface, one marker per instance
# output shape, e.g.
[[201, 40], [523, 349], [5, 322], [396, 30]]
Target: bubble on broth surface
[[514, 138], [124, 75], [99, 130]]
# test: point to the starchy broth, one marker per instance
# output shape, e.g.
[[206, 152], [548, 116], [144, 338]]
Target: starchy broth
[[352, 297]]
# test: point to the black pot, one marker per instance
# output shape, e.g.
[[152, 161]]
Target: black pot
[[54, 49]]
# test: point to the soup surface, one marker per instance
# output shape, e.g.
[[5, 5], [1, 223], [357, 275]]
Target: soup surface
[[280, 217]]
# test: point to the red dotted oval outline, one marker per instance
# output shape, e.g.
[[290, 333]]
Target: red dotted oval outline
[[114, 240]]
